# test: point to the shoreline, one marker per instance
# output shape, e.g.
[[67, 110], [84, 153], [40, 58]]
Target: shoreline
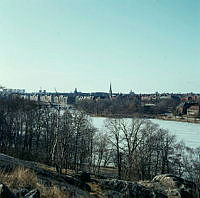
[[182, 119], [166, 118]]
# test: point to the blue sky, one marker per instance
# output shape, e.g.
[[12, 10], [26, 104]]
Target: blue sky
[[143, 45]]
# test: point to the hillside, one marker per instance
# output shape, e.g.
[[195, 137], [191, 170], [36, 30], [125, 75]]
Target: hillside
[[33, 180]]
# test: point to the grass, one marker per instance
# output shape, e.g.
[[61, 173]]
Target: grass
[[96, 190], [23, 178], [53, 169]]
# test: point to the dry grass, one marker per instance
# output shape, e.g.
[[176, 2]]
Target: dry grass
[[96, 190], [19, 178], [22, 178], [53, 169], [53, 192]]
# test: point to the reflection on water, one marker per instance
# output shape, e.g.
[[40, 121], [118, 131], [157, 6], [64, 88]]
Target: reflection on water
[[188, 132]]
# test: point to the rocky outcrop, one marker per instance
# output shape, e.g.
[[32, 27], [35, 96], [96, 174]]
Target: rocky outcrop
[[5, 192], [74, 186], [162, 186], [8, 163], [33, 194], [124, 189], [176, 187]]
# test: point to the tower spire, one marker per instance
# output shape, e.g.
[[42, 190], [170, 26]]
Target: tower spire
[[110, 91]]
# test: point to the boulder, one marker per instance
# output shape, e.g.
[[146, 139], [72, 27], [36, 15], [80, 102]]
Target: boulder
[[121, 189], [33, 194], [5, 192], [162, 186], [85, 177], [177, 187], [21, 193]]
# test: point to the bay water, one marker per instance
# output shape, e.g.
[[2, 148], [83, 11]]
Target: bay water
[[188, 132]]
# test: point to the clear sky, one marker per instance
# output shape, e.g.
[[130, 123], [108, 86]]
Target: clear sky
[[143, 45]]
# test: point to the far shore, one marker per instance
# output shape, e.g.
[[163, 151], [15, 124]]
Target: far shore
[[159, 117], [180, 119]]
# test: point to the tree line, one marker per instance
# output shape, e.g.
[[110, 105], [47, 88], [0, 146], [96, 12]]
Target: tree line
[[127, 106], [36, 132], [137, 148]]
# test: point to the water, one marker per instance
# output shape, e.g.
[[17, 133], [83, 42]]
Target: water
[[188, 132]]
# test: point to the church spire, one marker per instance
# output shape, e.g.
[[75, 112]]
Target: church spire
[[110, 91]]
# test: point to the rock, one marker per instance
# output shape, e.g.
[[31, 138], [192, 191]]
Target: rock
[[162, 186], [86, 187], [85, 177], [177, 187], [21, 193], [119, 188], [5, 192], [33, 194]]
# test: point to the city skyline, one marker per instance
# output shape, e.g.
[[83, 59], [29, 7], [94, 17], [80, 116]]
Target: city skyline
[[77, 91], [145, 46]]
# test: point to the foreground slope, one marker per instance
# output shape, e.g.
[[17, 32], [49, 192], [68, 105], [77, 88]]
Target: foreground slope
[[39, 180]]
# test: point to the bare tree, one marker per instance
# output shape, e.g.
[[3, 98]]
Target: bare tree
[[114, 132], [101, 152]]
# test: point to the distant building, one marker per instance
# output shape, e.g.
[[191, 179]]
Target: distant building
[[13, 91], [189, 98], [193, 111], [149, 108], [183, 107], [75, 91], [101, 95], [71, 100]]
